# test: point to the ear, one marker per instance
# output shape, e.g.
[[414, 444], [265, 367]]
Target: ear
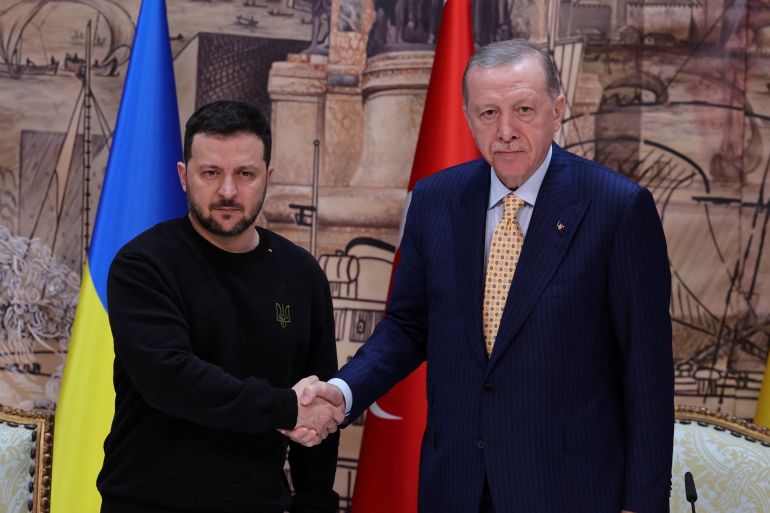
[[269, 174], [181, 169], [558, 112], [470, 125]]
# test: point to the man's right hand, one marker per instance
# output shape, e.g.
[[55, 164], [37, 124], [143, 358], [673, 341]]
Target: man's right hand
[[331, 393]]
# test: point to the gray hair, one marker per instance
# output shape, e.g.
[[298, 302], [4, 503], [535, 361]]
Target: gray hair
[[511, 52]]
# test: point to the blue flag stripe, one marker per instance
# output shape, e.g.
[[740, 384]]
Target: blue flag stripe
[[141, 187]]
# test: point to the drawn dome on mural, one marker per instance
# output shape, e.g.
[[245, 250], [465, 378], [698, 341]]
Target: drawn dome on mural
[[642, 88]]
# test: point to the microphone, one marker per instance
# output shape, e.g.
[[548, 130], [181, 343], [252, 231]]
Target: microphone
[[689, 490]]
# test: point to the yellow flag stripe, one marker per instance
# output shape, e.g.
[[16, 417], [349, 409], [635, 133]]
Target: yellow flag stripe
[[762, 416], [85, 408]]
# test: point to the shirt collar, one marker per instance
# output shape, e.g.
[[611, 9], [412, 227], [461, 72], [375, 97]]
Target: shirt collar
[[528, 190]]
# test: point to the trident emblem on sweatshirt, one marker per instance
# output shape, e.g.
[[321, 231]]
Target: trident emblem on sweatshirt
[[283, 314]]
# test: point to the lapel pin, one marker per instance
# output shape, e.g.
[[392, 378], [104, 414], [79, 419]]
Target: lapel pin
[[560, 227]]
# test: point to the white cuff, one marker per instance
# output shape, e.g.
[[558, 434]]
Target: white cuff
[[337, 382]]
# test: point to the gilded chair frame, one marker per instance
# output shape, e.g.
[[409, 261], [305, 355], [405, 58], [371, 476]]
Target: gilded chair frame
[[723, 421], [41, 424]]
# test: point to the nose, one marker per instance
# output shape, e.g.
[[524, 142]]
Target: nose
[[227, 188], [506, 130]]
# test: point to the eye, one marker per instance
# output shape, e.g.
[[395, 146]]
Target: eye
[[525, 109], [209, 173], [246, 174], [488, 113]]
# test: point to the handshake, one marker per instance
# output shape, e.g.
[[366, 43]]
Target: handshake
[[320, 409]]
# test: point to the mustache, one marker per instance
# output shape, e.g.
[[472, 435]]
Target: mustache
[[506, 147], [226, 203]]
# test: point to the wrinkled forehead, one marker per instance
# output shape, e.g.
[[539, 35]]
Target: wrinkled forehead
[[525, 75], [237, 145]]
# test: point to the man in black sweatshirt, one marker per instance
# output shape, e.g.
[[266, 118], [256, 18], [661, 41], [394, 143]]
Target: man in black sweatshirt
[[214, 319]]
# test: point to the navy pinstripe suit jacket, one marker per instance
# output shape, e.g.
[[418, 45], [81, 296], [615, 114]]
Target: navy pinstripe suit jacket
[[574, 409]]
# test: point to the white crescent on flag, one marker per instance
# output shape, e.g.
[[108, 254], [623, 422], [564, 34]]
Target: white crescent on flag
[[379, 412], [403, 218], [375, 408]]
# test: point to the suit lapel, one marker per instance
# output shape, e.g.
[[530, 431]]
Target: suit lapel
[[469, 221], [544, 248]]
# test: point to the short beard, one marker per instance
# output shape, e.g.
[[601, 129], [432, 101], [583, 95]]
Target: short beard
[[211, 225]]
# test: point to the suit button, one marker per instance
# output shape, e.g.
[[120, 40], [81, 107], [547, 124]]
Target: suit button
[[480, 444], [489, 388]]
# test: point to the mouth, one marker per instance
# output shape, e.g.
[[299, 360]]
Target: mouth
[[507, 153], [227, 208], [503, 149]]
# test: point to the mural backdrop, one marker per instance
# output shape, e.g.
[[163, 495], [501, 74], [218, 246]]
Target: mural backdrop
[[674, 94]]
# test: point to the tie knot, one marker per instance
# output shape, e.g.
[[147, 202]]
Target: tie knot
[[511, 206]]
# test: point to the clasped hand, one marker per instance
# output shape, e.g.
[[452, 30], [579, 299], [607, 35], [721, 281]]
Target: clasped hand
[[320, 409]]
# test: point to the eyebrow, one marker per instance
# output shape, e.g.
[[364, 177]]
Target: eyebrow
[[250, 167], [206, 165]]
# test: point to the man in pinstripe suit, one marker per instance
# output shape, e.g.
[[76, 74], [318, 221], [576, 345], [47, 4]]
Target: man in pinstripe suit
[[572, 410]]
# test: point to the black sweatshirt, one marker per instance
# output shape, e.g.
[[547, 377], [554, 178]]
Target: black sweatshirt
[[207, 346]]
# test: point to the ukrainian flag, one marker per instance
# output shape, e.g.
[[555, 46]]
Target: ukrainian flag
[[140, 189]]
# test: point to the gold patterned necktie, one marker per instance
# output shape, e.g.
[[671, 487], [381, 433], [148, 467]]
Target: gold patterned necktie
[[504, 253]]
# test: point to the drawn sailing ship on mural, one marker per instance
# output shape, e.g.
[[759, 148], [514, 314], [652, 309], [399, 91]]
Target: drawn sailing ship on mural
[[15, 20], [721, 339], [77, 65], [246, 22], [725, 348], [31, 68], [64, 198]]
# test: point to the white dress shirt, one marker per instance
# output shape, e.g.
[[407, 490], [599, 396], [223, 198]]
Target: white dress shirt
[[497, 191], [528, 192]]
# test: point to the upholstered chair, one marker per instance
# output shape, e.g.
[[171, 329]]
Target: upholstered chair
[[26, 440], [728, 458]]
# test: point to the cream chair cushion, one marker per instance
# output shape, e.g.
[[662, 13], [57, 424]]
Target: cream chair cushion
[[728, 458], [25, 461], [16, 448]]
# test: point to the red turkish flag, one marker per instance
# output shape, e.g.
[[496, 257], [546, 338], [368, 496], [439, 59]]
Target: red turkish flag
[[390, 450]]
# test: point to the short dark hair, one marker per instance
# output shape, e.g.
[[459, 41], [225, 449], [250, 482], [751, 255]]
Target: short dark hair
[[227, 118], [513, 51]]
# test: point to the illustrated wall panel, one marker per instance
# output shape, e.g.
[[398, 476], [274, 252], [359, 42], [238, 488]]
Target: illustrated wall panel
[[674, 94]]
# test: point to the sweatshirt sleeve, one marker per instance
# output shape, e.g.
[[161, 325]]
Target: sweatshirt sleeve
[[153, 345], [313, 468]]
